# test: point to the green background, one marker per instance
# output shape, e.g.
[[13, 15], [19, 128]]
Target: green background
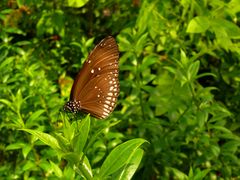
[[179, 84]]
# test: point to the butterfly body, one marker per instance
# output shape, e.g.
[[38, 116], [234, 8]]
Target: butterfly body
[[96, 87]]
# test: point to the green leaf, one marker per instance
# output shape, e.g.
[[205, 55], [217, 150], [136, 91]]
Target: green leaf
[[80, 139], [15, 146], [198, 24], [215, 150], [34, 116], [232, 30], [141, 42], [69, 173], [23, 43], [193, 70], [230, 146], [184, 59], [198, 174], [202, 117], [3, 56], [45, 138], [178, 173], [77, 3], [148, 61], [56, 169], [15, 31], [220, 128], [8, 103], [29, 165], [63, 142], [26, 149], [131, 166], [119, 157], [97, 134], [68, 130], [125, 44], [80, 164]]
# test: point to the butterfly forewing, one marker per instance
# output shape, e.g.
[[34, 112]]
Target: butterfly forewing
[[96, 85]]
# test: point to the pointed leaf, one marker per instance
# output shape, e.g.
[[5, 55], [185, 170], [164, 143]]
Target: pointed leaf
[[193, 70], [34, 116], [119, 157], [198, 24], [131, 166], [56, 169], [80, 139], [45, 138]]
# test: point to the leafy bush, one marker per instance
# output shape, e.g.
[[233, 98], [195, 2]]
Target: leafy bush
[[179, 77]]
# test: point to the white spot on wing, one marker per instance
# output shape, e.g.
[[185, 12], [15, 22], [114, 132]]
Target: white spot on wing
[[106, 106], [107, 102], [105, 114], [106, 110]]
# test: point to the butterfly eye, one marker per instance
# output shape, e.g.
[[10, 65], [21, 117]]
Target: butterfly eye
[[96, 87]]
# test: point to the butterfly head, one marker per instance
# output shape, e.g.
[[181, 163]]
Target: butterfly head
[[72, 106]]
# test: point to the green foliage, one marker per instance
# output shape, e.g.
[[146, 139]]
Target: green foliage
[[122, 162], [179, 77]]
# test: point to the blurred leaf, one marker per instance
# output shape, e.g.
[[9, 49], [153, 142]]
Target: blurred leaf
[[231, 146], [15, 146], [202, 117], [29, 165], [148, 61], [33, 117], [63, 142], [26, 149], [220, 128], [193, 70], [179, 174], [56, 169], [231, 29], [77, 3], [198, 174], [3, 54], [51, 23], [141, 42], [15, 30], [198, 24]]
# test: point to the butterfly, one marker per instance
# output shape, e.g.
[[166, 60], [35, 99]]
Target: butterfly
[[96, 87]]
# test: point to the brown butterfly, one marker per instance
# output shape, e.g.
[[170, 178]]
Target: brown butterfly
[[96, 88]]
